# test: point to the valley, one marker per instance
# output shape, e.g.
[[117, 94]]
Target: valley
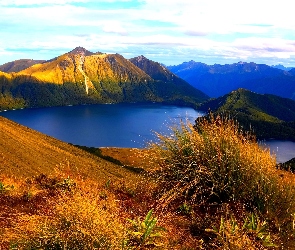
[[84, 77], [206, 184]]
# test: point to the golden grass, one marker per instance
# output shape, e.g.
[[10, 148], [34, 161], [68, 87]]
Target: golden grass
[[214, 163], [70, 212], [81, 216], [6, 75], [205, 181], [96, 67], [25, 153]]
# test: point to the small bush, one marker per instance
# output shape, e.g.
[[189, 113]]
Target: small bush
[[5, 188], [213, 162], [216, 162], [185, 209]]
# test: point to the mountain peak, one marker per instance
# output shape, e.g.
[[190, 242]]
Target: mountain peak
[[81, 51], [140, 58]]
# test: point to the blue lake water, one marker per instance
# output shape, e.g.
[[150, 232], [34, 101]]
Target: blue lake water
[[117, 125], [284, 150], [104, 125]]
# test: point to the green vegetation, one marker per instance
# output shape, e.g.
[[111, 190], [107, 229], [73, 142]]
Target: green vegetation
[[144, 233], [268, 116], [252, 235]]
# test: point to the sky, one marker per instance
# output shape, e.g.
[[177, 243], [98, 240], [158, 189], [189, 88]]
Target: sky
[[166, 31]]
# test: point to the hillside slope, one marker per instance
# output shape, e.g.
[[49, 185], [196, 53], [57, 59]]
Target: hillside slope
[[25, 152], [19, 65], [83, 77], [173, 83], [270, 116]]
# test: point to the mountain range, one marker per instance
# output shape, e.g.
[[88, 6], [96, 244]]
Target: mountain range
[[84, 77], [280, 66], [55, 195], [217, 80], [19, 65]]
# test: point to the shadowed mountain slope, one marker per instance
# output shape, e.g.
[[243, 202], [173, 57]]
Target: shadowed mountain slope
[[270, 116], [159, 73], [19, 65]]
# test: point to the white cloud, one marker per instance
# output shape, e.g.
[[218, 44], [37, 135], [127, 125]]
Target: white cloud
[[43, 16], [114, 27], [203, 28], [38, 2], [225, 16], [265, 47], [55, 2]]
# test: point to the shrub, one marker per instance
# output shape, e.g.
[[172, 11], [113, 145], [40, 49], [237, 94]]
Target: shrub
[[5, 188], [216, 162]]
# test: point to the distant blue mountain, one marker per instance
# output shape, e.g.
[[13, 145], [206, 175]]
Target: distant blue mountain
[[217, 80], [282, 67]]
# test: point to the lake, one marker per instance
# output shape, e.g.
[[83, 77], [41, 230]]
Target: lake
[[284, 150], [104, 125], [117, 125]]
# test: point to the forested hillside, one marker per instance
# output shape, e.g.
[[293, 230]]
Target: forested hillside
[[83, 77], [268, 116]]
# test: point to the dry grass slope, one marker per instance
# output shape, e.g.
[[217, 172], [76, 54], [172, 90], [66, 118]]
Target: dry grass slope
[[25, 152], [206, 187]]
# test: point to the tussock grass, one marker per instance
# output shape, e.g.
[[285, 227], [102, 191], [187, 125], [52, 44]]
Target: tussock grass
[[216, 162], [81, 221]]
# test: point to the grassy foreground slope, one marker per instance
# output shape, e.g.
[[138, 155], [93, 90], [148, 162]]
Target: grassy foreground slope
[[207, 186], [25, 152], [56, 196]]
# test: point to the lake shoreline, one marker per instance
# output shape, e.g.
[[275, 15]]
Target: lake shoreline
[[125, 125]]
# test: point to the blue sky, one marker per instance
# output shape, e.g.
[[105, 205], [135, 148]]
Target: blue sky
[[167, 31]]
